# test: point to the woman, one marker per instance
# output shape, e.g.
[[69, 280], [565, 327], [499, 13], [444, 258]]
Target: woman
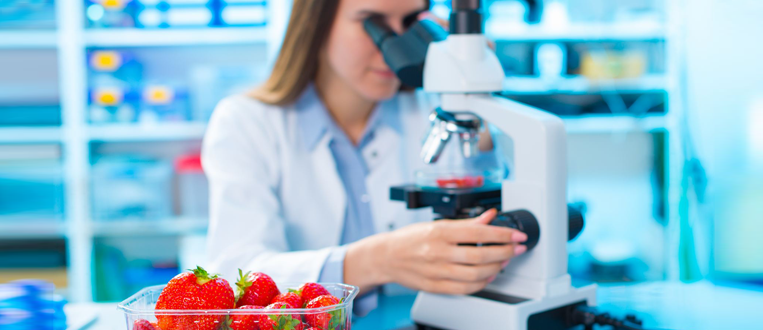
[[300, 168]]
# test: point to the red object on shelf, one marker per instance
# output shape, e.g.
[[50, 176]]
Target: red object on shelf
[[189, 164], [466, 181]]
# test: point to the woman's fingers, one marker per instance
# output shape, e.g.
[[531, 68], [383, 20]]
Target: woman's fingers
[[477, 231], [485, 217], [474, 255], [464, 232], [470, 273], [431, 256]]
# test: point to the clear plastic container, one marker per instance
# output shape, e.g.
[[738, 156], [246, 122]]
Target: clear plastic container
[[141, 307]]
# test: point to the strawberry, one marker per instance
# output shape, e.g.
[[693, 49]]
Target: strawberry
[[195, 289], [244, 322], [291, 298], [324, 320], [144, 325], [255, 289], [280, 322], [310, 291]]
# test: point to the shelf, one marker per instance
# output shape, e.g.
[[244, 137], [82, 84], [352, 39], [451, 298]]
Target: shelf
[[23, 228], [173, 226], [14, 135], [174, 37], [577, 32], [146, 132], [613, 124], [583, 85], [28, 39]]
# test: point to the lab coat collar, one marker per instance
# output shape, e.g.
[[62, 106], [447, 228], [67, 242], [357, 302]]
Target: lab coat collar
[[314, 121]]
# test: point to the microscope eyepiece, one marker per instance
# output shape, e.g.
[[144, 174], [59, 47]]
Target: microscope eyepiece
[[466, 4], [378, 30], [466, 17], [404, 53]]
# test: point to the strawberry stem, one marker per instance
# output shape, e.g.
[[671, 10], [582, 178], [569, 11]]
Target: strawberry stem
[[202, 276], [242, 284]]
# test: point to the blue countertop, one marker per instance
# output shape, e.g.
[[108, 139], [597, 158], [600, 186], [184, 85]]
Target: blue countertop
[[663, 305]]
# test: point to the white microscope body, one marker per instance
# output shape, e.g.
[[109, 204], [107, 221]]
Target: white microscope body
[[464, 71]]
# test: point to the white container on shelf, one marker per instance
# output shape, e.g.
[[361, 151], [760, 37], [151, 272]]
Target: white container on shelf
[[193, 187]]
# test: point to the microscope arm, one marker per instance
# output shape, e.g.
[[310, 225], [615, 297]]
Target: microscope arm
[[537, 184]]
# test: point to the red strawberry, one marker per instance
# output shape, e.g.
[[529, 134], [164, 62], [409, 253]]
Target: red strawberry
[[255, 289], [245, 322], [195, 289], [280, 322], [291, 298], [324, 320], [144, 325], [310, 291]]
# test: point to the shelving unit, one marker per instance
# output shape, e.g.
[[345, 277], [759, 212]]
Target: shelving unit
[[28, 39], [175, 37], [72, 40], [195, 131], [575, 32], [173, 226], [582, 85], [22, 228], [143, 133], [13, 135]]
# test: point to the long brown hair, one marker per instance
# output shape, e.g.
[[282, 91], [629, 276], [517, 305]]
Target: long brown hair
[[297, 62]]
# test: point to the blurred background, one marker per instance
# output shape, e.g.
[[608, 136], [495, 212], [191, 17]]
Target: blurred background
[[103, 105]]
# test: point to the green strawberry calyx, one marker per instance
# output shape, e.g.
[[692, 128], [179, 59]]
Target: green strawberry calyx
[[226, 325], [286, 322], [242, 284], [202, 276]]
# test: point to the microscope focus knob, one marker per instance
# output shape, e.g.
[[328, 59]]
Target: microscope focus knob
[[575, 215], [523, 221]]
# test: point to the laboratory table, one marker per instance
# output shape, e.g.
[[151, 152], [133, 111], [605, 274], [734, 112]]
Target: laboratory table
[[663, 305]]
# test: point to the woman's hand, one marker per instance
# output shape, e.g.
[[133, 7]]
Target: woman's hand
[[428, 257]]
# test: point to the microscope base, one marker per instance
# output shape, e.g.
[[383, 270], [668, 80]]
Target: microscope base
[[487, 310]]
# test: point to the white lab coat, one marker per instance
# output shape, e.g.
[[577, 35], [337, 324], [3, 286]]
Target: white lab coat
[[277, 207]]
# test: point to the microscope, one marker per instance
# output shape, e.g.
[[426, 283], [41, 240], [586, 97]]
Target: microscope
[[534, 291]]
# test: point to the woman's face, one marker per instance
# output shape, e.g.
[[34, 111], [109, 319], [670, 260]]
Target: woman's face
[[350, 54]]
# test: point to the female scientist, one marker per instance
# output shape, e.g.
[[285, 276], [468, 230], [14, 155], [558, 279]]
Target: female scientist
[[300, 168]]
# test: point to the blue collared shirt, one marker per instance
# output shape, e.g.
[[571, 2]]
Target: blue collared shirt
[[314, 121]]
